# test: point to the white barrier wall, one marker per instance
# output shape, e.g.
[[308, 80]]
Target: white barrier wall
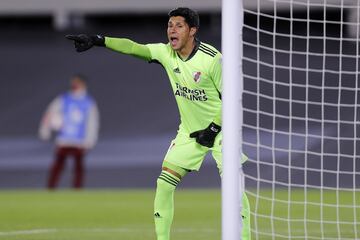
[[61, 10]]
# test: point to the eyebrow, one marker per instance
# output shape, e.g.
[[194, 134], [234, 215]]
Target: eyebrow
[[176, 22]]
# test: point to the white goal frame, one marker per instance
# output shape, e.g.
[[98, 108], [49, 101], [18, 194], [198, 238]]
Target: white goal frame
[[232, 187], [299, 155]]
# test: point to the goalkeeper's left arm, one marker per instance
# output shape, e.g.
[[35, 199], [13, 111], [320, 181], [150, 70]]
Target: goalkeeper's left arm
[[84, 42]]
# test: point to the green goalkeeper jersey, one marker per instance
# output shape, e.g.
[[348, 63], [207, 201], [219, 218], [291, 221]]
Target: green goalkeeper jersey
[[196, 82]]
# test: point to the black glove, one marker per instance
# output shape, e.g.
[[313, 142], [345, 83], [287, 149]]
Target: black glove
[[84, 42], [206, 137]]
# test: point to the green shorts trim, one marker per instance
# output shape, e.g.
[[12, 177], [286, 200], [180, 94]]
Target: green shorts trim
[[175, 168]]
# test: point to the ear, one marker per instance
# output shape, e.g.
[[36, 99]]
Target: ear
[[193, 31]]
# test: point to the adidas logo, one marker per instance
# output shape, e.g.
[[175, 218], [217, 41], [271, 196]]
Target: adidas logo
[[157, 215], [177, 70]]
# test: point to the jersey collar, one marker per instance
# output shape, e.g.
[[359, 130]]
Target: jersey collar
[[197, 44]]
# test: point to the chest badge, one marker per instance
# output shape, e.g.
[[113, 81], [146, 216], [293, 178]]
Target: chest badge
[[196, 76]]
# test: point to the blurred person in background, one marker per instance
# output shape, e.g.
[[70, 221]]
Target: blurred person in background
[[195, 73], [73, 119]]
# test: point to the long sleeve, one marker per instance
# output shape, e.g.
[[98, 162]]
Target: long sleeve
[[127, 46]]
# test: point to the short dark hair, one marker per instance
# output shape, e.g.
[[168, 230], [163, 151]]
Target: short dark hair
[[80, 76], [191, 16]]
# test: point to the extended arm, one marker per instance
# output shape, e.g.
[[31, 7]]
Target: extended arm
[[84, 42], [127, 46]]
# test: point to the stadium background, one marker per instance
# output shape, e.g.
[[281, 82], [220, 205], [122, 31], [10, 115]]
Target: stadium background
[[138, 113]]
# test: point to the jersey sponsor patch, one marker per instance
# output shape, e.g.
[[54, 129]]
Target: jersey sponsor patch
[[190, 94]]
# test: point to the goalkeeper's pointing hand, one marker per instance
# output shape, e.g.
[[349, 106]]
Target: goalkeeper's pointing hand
[[206, 137], [84, 42]]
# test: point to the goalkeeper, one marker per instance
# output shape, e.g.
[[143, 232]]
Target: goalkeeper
[[194, 70]]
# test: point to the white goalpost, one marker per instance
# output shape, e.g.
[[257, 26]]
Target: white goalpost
[[232, 18], [291, 103]]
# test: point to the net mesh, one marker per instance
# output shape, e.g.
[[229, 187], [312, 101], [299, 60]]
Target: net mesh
[[301, 118]]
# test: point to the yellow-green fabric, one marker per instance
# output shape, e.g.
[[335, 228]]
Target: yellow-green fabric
[[163, 209], [186, 153], [197, 87], [179, 170], [246, 230], [127, 46], [196, 84]]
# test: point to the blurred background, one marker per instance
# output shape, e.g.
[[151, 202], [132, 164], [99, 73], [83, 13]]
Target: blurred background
[[138, 113]]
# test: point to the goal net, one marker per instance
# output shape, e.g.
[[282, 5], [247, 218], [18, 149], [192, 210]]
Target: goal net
[[301, 118]]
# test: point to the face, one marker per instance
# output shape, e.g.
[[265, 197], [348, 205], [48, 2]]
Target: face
[[179, 33], [77, 84]]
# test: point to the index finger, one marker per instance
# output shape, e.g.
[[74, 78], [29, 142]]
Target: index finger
[[72, 37]]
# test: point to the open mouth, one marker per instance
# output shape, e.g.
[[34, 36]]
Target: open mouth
[[174, 40]]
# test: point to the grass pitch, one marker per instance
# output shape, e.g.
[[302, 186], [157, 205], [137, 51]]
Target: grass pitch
[[108, 215], [128, 215]]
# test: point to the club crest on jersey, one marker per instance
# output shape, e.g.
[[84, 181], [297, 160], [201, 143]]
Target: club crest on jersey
[[196, 76]]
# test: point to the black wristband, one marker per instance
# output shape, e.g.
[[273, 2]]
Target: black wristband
[[98, 40], [214, 128]]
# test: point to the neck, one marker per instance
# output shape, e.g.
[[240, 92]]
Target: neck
[[185, 52]]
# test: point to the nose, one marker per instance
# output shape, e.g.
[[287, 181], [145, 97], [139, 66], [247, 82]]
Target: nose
[[172, 29]]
